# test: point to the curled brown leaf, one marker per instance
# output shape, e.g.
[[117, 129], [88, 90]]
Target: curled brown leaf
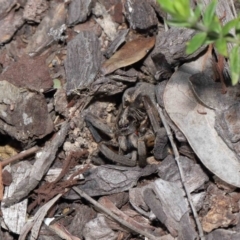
[[130, 53]]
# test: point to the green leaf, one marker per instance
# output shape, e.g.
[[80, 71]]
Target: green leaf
[[238, 27], [215, 25], [198, 10], [167, 6], [234, 58], [221, 46], [178, 23], [209, 13], [182, 9], [209, 41], [56, 83], [195, 16], [229, 25], [197, 41]]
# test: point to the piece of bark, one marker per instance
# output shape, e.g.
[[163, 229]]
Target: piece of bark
[[160, 150], [223, 185], [33, 10], [28, 72], [6, 235], [117, 42], [15, 215], [103, 18], [159, 90], [84, 214], [78, 11], [40, 167], [107, 87], [163, 68], [49, 30], [123, 215], [6, 6], [136, 198], [98, 229], [83, 60], [35, 225], [223, 234], [60, 102], [140, 15], [138, 203], [171, 45], [131, 73], [227, 126], [186, 150], [231, 117], [115, 9], [6, 177], [119, 199], [124, 79], [106, 180], [156, 6], [198, 200], [89, 26], [194, 175], [220, 213], [10, 24], [167, 202], [24, 114]]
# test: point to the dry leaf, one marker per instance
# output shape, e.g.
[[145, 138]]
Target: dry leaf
[[130, 53], [15, 216], [181, 106]]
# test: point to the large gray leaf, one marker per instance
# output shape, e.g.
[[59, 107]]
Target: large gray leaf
[[183, 109]]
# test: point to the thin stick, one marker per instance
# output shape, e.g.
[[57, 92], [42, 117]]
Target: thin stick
[[233, 9], [113, 216], [21, 155], [176, 153]]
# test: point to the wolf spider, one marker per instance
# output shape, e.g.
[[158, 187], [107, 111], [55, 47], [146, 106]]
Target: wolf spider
[[138, 127]]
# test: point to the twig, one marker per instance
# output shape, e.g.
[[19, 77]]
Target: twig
[[21, 155], [176, 153], [233, 9], [113, 216], [35, 225]]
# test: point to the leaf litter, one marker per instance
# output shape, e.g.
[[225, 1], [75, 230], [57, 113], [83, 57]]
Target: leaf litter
[[146, 135]]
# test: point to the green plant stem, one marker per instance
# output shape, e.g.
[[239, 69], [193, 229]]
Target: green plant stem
[[235, 41], [200, 27]]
